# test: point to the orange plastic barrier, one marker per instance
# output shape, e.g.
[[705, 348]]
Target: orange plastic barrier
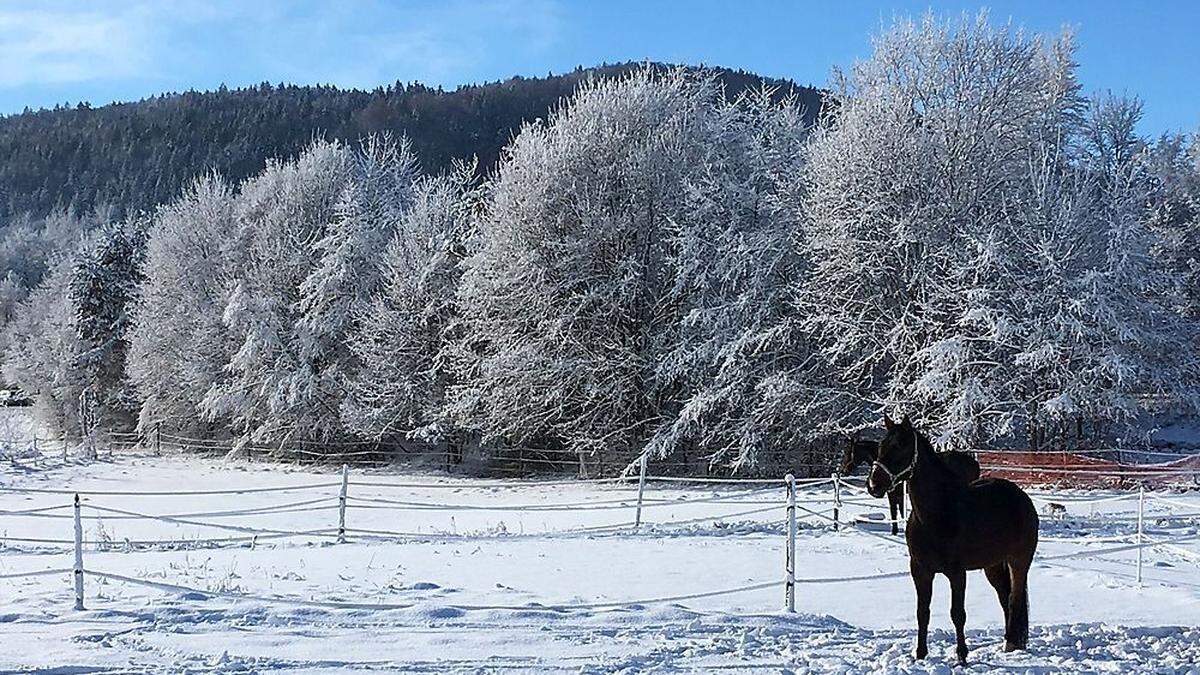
[[1076, 470]]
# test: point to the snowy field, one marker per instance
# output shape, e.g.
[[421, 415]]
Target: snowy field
[[442, 574]]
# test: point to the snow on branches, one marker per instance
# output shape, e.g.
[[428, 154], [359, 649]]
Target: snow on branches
[[659, 268]]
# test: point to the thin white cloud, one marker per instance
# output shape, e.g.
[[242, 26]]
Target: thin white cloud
[[56, 46], [355, 43], [365, 43]]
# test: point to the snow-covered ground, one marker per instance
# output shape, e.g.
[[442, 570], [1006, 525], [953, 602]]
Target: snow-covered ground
[[541, 584]]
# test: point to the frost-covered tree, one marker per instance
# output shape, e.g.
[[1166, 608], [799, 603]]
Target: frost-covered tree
[[566, 301], [1103, 341], [103, 290], [734, 257], [69, 339], [980, 248], [179, 344], [29, 248], [911, 183], [265, 390], [404, 333], [348, 274], [1174, 166], [41, 351]]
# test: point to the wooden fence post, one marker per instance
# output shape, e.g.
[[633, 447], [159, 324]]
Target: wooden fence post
[[1140, 528], [78, 571], [790, 564], [637, 522], [837, 500], [341, 538]]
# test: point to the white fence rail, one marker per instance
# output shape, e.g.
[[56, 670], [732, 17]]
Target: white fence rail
[[798, 501]]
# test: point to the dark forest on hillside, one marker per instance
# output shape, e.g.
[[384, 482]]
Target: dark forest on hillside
[[134, 156]]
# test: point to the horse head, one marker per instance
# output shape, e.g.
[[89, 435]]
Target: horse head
[[857, 452], [895, 459]]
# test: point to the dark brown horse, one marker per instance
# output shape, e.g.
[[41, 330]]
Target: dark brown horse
[[989, 524], [865, 452]]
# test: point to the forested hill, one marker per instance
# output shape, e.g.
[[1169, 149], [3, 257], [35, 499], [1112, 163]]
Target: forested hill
[[136, 155]]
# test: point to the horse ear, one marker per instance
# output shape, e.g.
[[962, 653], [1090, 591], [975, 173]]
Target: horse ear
[[887, 421], [906, 423]]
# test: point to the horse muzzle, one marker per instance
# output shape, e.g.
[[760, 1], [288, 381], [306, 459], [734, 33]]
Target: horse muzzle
[[876, 487]]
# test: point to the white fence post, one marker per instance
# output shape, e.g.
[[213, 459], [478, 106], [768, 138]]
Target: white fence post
[[1141, 511], [637, 522], [78, 556], [837, 499], [341, 538], [790, 564]]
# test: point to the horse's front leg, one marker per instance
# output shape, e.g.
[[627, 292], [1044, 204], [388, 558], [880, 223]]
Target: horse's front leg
[[923, 580], [958, 610], [894, 504]]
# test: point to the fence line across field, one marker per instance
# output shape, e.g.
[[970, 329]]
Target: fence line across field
[[1082, 452], [291, 507], [346, 499], [171, 493], [342, 502], [380, 453], [1151, 471], [790, 582]]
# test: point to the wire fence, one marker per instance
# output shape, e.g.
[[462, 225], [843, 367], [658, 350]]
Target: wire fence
[[819, 458], [1092, 467], [818, 501]]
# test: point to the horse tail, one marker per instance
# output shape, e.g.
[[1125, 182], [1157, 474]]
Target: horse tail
[[1018, 605]]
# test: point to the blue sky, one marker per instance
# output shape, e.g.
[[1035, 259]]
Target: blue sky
[[54, 51]]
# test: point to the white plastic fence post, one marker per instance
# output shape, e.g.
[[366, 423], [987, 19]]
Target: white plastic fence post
[[78, 556], [637, 522], [341, 538], [837, 499], [1141, 511], [790, 564]]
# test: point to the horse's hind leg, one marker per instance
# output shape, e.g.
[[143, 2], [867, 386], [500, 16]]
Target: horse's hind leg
[[958, 610], [1018, 608], [923, 580], [997, 576]]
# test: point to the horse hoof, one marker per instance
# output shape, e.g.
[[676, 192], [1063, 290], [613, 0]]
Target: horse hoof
[[1011, 646], [921, 653]]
